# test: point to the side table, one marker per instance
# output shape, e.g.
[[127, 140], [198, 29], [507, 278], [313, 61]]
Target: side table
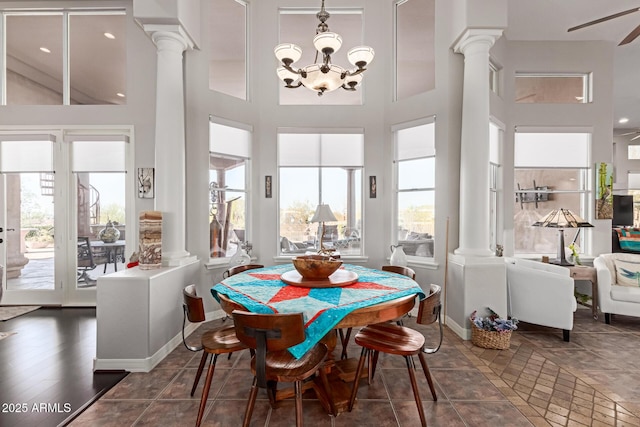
[[585, 272]]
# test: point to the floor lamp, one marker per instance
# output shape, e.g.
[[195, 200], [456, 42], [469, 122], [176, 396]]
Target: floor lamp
[[561, 219]]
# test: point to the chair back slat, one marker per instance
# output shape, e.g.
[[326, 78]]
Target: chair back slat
[[239, 269], [405, 271], [429, 309], [281, 331], [193, 304]]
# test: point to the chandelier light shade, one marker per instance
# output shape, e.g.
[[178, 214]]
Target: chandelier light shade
[[561, 219], [325, 76]]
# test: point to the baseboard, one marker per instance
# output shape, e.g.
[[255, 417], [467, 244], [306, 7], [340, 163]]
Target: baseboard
[[463, 333]]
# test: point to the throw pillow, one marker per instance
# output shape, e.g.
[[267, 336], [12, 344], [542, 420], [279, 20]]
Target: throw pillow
[[627, 273]]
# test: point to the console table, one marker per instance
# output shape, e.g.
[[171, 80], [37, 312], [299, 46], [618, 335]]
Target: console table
[[585, 272]]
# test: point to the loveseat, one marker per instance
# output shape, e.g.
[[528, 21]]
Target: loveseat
[[541, 294], [618, 284]]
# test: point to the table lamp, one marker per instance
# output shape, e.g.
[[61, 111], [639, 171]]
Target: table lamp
[[561, 218], [323, 214]]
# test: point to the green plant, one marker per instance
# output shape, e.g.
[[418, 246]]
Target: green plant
[[40, 234]]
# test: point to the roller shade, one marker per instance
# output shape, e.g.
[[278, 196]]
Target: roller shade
[[26, 153], [416, 142], [326, 150], [228, 140], [98, 153], [559, 150], [633, 181]]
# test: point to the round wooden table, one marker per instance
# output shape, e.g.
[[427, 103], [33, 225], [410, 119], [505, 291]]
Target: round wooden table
[[342, 372]]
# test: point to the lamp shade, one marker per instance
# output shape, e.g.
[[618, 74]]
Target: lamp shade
[[323, 214], [327, 42], [323, 82], [561, 218], [288, 51], [360, 56], [285, 74]]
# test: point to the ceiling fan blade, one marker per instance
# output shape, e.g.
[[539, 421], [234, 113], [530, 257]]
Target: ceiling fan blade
[[631, 36], [634, 138], [629, 133], [606, 18]]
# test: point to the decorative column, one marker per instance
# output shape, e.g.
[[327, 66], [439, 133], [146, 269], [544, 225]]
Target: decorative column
[[170, 151], [474, 238]]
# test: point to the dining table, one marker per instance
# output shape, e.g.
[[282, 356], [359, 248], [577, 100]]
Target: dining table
[[376, 296]]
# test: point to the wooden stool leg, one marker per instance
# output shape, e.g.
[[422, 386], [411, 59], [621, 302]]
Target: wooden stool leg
[[251, 403], [356, 381], [203, 360], [298, 387], [427, 374], [344, 340], [205, 390], [327, 390], [373, 363], [416, 393]]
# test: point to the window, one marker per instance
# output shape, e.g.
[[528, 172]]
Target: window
[[494, 77], [415, 189], [633, 180], [560, 88], [37, 47], [229, 156], [228, 47], [544, 182], [320, 169], [495, 179], [414, 47], [633, 152]]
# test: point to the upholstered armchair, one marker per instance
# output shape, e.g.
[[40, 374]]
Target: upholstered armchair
[[618, 284], [541, 294]]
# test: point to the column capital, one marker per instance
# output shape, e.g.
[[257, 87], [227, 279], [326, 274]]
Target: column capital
[[170, 32], [477, 37]]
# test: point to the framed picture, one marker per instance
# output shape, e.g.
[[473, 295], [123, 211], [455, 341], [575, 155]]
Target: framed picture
[[604, 190], [268, 192], [146, 183], [373, 187]]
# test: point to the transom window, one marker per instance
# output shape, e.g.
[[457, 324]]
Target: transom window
[[318, 169], [553, 88], [64, 57]]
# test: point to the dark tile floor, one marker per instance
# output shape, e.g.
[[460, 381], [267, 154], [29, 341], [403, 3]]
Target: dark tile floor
[[542, 381]]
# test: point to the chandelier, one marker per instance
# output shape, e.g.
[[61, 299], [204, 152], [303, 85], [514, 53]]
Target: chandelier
[[325, 76]]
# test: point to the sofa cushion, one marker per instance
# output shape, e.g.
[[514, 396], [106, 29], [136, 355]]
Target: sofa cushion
[[629, 239], [625, 293], [627, 273]]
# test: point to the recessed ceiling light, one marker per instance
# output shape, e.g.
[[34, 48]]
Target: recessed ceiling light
[[109, 36], [623, 120], [120, 94], [45, 50]]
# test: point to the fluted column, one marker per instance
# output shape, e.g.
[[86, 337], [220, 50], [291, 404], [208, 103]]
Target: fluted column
[[474, 157], [170, 151]]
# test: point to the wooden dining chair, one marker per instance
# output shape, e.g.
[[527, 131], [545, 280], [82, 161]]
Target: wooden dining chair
[[395, 339], [271, 335], [345, 336], [213, 343], [239, 269]]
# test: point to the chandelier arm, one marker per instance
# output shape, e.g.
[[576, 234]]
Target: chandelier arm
[[299, 72], [290, 86], [349, 88]]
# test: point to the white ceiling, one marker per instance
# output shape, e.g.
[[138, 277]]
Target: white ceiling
[[550, 19]]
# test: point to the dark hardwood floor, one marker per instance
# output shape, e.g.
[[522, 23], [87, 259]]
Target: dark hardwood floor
[[46, 368]]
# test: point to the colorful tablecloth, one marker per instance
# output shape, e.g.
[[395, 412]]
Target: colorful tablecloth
[[262, 291]]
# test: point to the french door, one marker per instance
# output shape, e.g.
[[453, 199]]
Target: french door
[[58, 189]]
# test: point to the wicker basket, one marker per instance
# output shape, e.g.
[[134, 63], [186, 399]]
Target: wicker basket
[[490, 339]]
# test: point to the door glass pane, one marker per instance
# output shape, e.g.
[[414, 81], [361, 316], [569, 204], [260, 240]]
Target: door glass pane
[[299, 196], [30, 226], [34, 60], [101, 209], [416, 222], [97, 59]]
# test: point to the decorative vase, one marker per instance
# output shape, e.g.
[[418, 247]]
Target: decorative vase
[[241, 257], [398, 257], [109, 234]]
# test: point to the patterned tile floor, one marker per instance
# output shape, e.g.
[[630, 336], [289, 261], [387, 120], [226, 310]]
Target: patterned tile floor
[[594, 380]]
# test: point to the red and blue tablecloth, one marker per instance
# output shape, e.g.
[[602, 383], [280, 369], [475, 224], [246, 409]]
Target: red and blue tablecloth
[[262, 291]]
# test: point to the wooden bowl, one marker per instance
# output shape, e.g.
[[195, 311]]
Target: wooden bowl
[[316, 267]]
